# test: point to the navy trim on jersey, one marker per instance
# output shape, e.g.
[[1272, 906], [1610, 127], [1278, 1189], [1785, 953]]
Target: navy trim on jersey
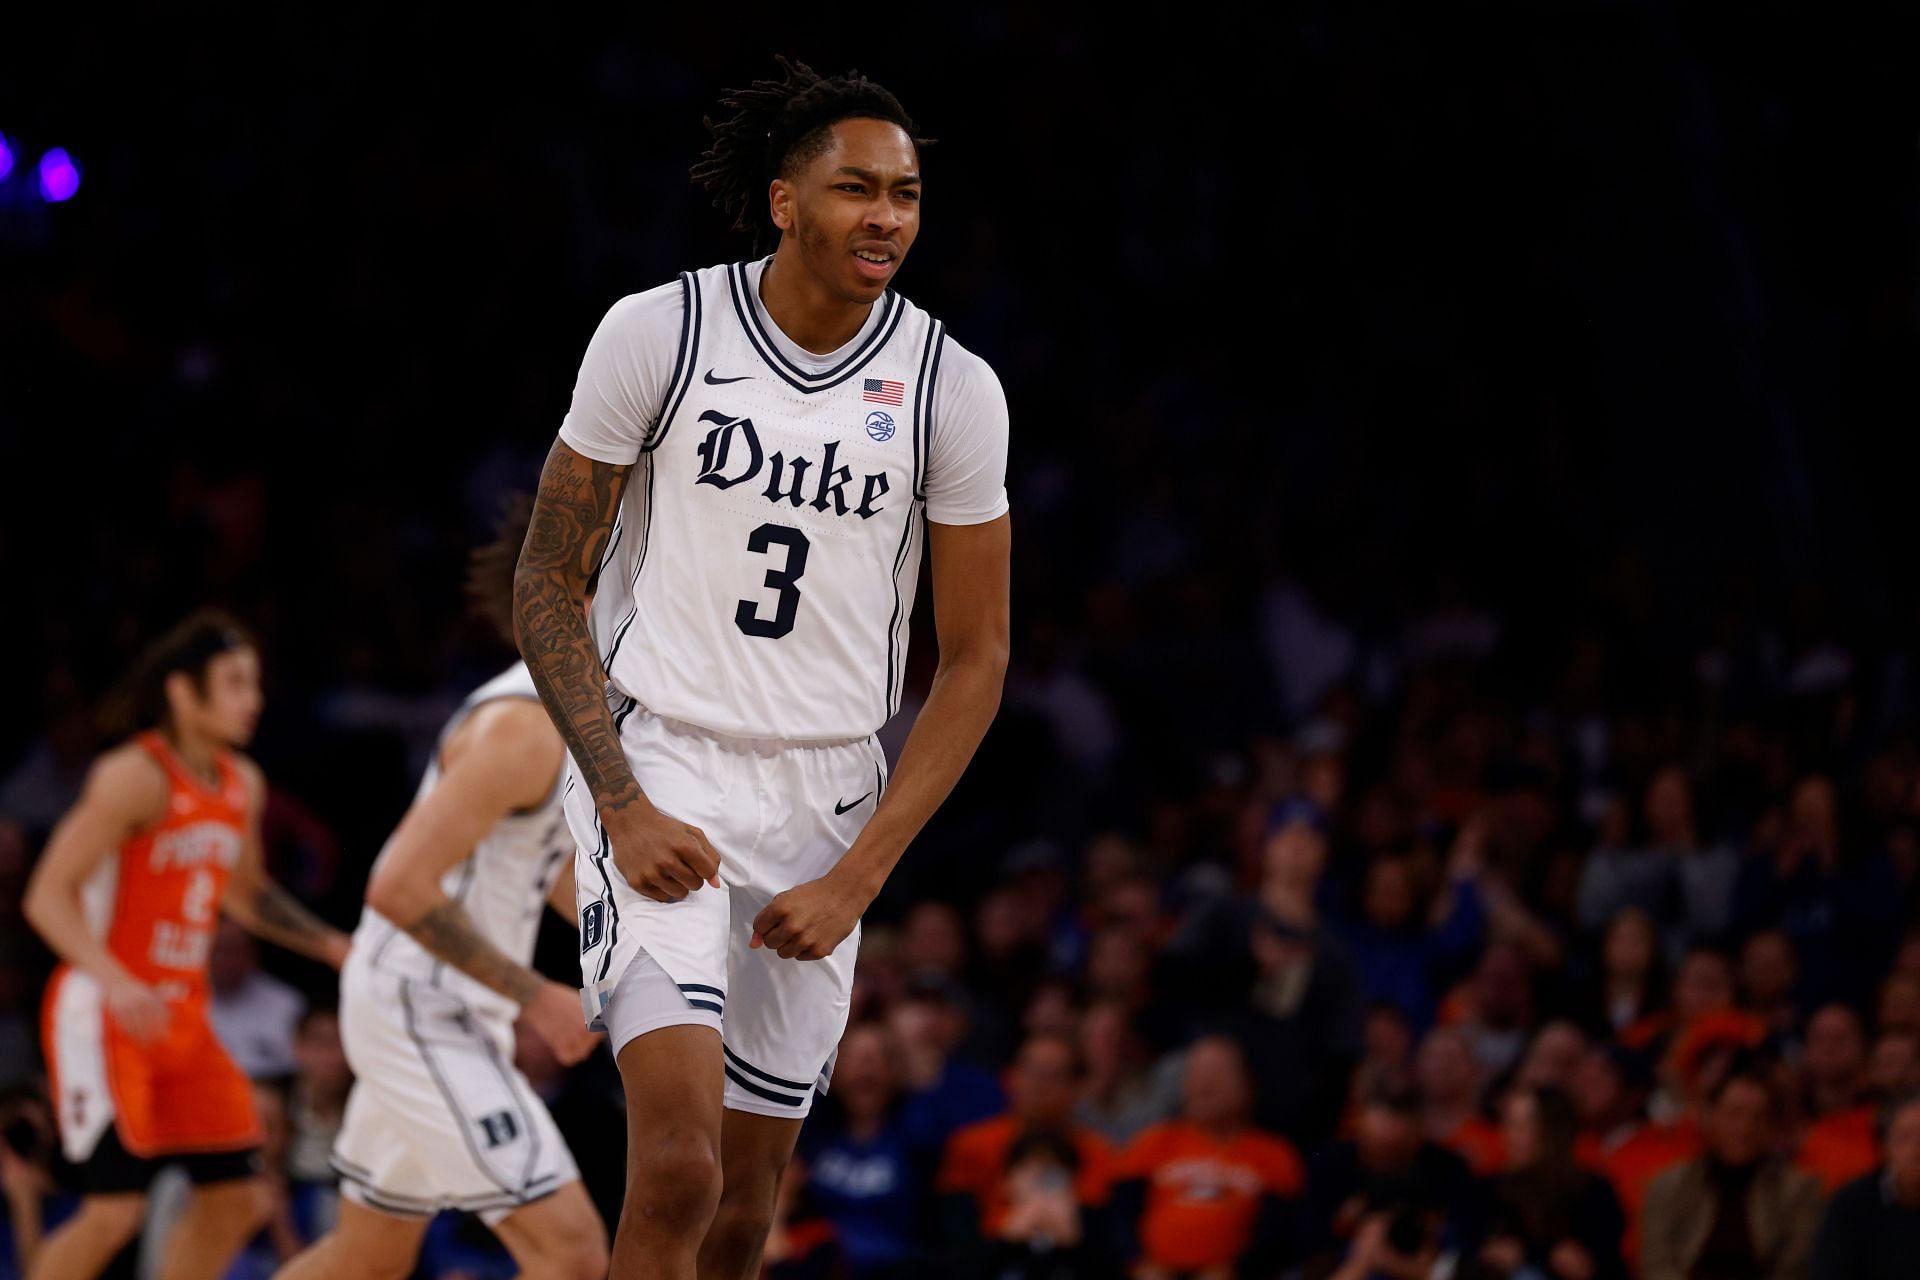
[[695, 986], [690, 317], [896, 650], [922, 414], [923, 447], [746, 1066], [794, 376], [646, 540], [613, 544], [599, 860]]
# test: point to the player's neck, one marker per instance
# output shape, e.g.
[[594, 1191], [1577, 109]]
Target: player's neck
[[806, 312], [200, 753]]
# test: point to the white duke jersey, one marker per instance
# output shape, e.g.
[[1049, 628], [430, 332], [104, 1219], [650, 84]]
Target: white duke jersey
[[502, 885], [760, 576]]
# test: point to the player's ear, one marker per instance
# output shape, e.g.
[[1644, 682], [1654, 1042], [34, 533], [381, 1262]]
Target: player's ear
[[180, 691], [780, 203]]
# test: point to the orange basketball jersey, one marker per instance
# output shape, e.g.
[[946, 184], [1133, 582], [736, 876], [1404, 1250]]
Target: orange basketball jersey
[[156, 902]]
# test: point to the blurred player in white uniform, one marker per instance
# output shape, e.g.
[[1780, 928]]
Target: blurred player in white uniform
[[756, 458], [439, 1117]]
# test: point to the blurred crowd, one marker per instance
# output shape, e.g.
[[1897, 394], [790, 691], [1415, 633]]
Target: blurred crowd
[[1565, 981], [1457, 798]]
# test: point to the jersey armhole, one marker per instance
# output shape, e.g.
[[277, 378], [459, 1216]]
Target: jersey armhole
[[686, 357], [923, 408]]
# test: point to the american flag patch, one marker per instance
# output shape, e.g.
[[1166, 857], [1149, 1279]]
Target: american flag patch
[[883, 391]]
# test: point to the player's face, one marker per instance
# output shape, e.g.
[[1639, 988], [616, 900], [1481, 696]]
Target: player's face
[[854, 210], [229, 708]]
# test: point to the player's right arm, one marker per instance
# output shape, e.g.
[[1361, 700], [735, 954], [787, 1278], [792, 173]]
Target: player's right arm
[[662, 858], [504, 758], [125, 792]]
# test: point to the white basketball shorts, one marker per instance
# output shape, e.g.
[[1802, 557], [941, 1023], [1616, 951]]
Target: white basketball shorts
[[779, 814], [439, 1117]]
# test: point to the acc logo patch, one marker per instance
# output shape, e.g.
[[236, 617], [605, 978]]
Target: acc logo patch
[[880, 426]]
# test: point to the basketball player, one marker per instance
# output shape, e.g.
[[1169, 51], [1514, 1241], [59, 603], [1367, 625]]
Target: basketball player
[[165, 834], [439, 1117], [755, 457]]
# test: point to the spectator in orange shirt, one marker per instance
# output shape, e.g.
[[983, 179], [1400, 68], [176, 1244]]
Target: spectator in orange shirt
[[1205, 1197], [1044, 1084], [1610, 1093], [1836, 1061], [1450, 1114], [1839, 1145]]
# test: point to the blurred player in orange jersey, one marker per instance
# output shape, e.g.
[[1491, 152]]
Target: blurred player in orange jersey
[[165, 835]]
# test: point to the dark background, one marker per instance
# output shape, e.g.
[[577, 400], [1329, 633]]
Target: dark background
[[1545, 305], [1565, 345]]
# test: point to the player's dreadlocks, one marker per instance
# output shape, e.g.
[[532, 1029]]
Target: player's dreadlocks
[[490, 567], [777, 126]]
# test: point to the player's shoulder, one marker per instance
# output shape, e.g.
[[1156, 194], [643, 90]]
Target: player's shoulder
[[958, 362], [128, 779], [640, 313], [128, 766], [506, 732], [250, 772], [967, 389]]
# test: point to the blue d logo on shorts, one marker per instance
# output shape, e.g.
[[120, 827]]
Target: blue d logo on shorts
[[880, 426]]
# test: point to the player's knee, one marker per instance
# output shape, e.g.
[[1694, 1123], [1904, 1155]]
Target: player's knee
[[743, 1221], [244, 1205], [260, 1205], [674, 1179]]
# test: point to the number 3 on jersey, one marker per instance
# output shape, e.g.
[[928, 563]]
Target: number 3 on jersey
[[760, 541]]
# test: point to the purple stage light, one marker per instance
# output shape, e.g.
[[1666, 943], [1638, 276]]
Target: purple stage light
[[6, 157], [59, 176]]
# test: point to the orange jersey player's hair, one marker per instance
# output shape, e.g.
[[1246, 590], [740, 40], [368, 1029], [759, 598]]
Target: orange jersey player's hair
[[157, 904]]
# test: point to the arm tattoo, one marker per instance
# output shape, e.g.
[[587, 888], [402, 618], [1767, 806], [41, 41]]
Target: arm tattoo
[[448, 933], [572, 518], [278, 917]]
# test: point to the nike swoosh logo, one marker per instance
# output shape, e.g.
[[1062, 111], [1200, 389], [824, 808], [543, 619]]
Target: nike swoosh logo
[[719, 382], [842, 808]]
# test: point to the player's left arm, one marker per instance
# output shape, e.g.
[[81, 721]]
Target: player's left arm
[[970, 566], [265, 909]]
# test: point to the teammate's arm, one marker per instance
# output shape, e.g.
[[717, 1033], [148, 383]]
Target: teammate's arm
[[125, 792], [970, 580], [573, 512], [262, 907], [504, 758]]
